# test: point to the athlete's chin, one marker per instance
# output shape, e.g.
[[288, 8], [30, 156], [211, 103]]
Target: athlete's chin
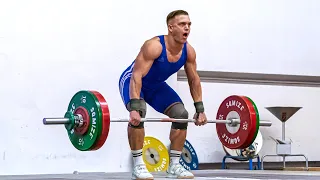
[[182, 40]]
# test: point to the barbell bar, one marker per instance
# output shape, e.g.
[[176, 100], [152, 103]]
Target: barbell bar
[[87, 121], [234, 122]]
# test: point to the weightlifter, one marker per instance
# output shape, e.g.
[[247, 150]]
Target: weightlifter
[[144, 82]]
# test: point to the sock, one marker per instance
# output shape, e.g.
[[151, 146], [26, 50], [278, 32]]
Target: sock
[[175, 156], [137, 157]]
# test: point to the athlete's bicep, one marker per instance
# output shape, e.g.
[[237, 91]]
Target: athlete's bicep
[[149, 51], [142, 65]]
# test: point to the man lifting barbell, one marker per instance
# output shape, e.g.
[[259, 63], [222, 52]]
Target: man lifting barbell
[[144, 82], [87, 119]]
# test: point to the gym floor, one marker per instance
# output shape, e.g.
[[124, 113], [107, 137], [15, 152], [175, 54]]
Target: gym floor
[[199, 174]]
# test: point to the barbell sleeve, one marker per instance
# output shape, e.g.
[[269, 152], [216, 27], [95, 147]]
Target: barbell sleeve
[[53, 121], [265, 123]]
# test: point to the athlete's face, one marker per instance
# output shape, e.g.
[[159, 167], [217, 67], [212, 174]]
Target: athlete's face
[[179, 28]]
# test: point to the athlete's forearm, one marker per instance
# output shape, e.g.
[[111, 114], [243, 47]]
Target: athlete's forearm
[[135, 86], [195, 89]]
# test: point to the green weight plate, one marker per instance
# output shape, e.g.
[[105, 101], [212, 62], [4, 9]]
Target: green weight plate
[[89, 108], [258, 118]]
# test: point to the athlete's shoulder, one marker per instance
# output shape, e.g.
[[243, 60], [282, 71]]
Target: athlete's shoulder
[[152, 47], [191, 52]]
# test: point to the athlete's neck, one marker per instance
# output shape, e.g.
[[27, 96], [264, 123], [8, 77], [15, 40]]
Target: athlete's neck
[[172, 45]]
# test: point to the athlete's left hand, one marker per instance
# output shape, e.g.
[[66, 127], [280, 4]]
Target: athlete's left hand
[[201, 119]]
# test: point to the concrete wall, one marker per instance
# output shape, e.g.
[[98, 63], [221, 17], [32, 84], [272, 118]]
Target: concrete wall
[[49, 50]]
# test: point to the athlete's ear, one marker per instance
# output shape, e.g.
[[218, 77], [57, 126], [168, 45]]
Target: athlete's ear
[[170, 27]]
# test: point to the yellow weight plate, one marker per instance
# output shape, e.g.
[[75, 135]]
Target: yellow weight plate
[[155, 155]]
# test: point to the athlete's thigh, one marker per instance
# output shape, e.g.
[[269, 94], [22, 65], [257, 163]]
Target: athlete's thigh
[[124, 89], [161, 98]]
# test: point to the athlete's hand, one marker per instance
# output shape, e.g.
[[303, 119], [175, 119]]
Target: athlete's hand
[[135, 118], [201, 119]]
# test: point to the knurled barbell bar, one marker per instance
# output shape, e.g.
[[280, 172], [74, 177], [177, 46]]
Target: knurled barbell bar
[[77, 120], [87, 121]]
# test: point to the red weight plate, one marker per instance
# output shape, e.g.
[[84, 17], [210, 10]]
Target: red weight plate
[[105, 121], [253, 116], [235, 107]]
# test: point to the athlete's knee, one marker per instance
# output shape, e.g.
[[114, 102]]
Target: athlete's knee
[[178, 111], [143, 112]]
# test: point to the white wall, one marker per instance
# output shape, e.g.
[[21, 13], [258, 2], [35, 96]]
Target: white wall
[[269, 36], [51, 49]]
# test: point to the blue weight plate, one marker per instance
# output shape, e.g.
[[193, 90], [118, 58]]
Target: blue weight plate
[[189, 158]]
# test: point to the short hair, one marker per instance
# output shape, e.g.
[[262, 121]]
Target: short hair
[[172, 14]]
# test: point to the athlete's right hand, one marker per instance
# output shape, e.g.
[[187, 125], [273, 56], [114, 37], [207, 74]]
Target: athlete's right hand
[[135, 118]]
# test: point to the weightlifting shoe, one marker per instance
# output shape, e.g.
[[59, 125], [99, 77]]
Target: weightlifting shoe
[[141, 172], [178, 171]]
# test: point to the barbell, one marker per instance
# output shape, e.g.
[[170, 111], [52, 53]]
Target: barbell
[[87, 121]]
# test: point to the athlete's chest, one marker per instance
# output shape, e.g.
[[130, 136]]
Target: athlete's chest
[[173, 57]]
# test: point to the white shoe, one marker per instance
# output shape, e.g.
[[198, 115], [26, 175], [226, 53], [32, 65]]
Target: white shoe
[[179, 172], [141, 172]]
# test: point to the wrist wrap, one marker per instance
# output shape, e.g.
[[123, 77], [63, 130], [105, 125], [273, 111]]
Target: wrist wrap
[[134, 104], [199, 106]]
